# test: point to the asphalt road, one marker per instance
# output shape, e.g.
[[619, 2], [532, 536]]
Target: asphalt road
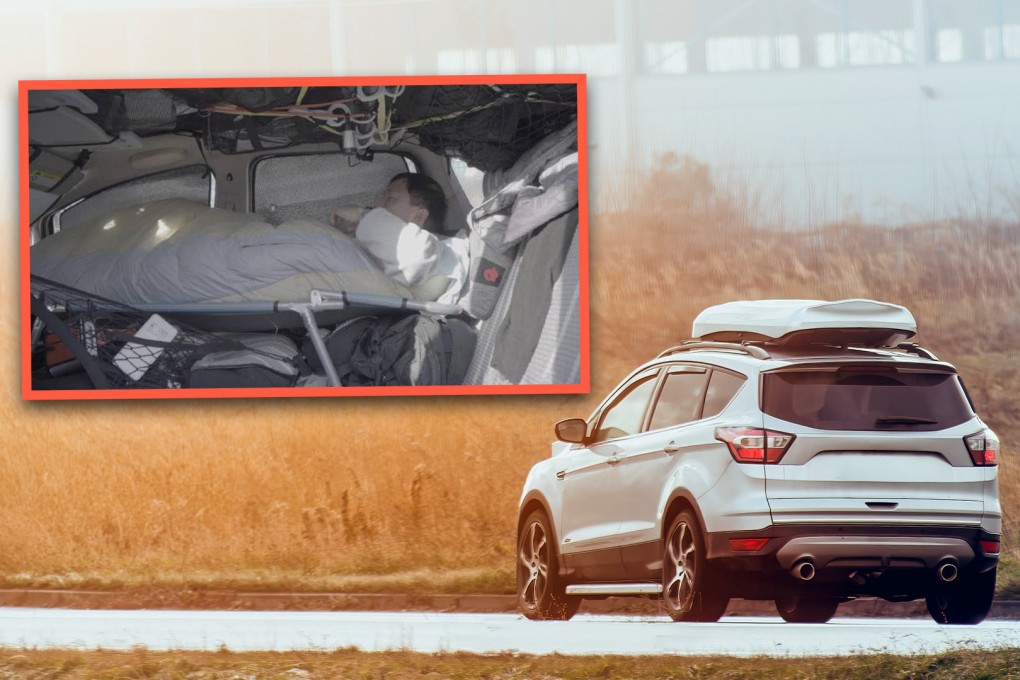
[[485, 633]]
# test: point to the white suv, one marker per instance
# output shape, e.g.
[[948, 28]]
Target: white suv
[[796, 451]]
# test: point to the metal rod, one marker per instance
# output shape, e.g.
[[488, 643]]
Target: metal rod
[[323, 297], [208, 308], [320, 347], [37, 330]]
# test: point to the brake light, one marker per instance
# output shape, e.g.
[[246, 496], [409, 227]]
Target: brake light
[[753, 444], [989, 547], [747, 544], [983, 447]]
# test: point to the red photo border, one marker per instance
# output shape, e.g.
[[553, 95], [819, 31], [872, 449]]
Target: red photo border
[[27, 393]]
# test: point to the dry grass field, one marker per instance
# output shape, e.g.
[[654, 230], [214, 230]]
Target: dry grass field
[[293, 493], [348, 663]]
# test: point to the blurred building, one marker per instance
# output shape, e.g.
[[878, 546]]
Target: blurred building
[[886, 110]]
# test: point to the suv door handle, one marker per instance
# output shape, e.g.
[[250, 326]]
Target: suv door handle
[[561, 474], [671, 447], [613, 460]]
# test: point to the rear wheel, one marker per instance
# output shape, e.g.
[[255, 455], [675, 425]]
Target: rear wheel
[[802, 609], [688, 590], [540, 592], [965, 601]]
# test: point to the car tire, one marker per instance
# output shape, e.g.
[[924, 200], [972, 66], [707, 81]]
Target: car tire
[[540, 591], [803, 609], [688, 591], [966, 601]]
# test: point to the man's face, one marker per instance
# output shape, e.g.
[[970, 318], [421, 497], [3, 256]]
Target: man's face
[[398, 201]]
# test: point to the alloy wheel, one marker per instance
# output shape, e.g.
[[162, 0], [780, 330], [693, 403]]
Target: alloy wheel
[[681, 566], [534, 564]]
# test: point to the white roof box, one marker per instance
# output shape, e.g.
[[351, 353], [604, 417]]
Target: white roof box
[[866, 323]]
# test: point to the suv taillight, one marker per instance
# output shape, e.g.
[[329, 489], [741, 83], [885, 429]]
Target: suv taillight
[[983, 447], [987, 547], [753, 444]]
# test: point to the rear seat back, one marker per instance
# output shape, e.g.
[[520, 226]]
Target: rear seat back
[[555, 358], [523, 284]]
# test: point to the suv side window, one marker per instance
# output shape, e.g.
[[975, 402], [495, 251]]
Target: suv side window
[[680, 399], [721, 389], [193, 182], [624, 416]]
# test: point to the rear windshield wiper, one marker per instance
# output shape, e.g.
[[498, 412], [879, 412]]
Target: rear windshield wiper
[[905, 420]]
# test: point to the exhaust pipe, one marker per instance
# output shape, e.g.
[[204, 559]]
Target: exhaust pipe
[[803, 570], [947, 571]]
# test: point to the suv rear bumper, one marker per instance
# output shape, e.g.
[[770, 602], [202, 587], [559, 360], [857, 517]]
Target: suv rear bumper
[[872, 547]]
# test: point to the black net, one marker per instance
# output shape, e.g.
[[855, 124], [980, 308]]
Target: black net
[[142, 111], [237, 120], [489, 126], [116, 344]]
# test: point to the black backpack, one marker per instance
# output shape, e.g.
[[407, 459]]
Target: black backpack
[[413, 350]]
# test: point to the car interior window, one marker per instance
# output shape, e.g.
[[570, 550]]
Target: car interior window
[[624, 416], [192, 182], [311, 185], [679, 402], [721, 388], [470, 180]]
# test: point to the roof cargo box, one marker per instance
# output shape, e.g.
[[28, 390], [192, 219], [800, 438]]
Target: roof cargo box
[[863, 323]]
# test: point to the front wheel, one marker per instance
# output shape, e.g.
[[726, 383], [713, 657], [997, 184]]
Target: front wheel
[[687, 589], [964, 602], [540, 593]]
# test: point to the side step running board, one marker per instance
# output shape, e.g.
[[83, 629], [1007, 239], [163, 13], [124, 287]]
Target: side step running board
[[615, 589]]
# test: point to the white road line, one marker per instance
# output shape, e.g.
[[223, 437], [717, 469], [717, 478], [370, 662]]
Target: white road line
[[486, 633]]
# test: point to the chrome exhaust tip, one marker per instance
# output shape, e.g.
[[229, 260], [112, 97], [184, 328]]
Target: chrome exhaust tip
[[803, 570], [947, 571]]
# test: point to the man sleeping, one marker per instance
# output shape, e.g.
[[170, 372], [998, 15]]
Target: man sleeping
[[400, 232], [179, 251]]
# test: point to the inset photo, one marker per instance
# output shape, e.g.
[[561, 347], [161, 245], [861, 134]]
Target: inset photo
[[312, 237]]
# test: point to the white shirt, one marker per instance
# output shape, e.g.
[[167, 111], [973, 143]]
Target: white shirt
[[411, 255]]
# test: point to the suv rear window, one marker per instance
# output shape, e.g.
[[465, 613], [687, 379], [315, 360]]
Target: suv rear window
[[866, 398]]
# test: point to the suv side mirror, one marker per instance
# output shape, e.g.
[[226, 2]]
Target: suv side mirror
[[571, 430]]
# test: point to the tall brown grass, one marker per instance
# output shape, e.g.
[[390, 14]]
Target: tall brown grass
[[314, 487]]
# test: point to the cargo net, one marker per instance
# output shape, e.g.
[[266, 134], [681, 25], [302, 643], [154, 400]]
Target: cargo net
[[118, 346], [237, 120], [354, 118], [488, 126]]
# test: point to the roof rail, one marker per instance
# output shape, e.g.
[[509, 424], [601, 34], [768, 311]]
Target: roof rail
[[753, 350], [915, 348]]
